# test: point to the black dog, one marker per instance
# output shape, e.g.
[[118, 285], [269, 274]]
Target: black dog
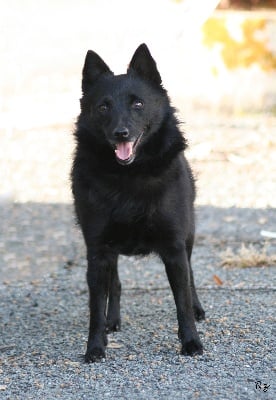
[[133, 190]]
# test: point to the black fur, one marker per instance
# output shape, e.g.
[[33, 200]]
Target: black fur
[[133, 191]]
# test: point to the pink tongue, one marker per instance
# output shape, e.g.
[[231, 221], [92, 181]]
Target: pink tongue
[[124, 150]]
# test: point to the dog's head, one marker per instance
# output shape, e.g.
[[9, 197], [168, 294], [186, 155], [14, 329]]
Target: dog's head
[[124, 110]]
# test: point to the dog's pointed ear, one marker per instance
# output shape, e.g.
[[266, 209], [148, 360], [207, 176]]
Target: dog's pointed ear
[[144, 65], [93, 67]]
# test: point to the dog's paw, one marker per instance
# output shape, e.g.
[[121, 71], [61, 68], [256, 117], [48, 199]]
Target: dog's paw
[[113, 325], [192, 347], [199, 313], [94, 354]]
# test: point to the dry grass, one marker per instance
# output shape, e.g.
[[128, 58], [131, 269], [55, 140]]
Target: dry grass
[[247, 256]]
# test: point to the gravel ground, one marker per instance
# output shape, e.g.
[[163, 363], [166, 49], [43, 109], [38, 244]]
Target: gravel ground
[[44, 298], [44, 328]]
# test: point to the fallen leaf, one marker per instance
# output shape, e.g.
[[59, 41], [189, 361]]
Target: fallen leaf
[[217, 280], [114, 345]]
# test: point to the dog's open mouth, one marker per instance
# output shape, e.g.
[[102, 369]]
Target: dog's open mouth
[[125, 151]]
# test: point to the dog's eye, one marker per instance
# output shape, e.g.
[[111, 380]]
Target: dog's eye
[[103, 108], [137, 105]]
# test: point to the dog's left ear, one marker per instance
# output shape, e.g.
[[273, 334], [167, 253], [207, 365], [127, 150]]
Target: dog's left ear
[[144, 65]]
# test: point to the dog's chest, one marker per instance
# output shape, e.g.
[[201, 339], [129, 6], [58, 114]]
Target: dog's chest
[[135, 226], [134, 237]]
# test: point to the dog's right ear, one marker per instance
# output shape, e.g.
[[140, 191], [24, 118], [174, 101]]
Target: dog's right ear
[[93, 67]]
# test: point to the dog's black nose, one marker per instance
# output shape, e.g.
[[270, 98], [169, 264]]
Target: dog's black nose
[[121, 133]]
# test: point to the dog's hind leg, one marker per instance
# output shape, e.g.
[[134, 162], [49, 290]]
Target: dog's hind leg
[[177, 268], [199, 312], [113, 311]]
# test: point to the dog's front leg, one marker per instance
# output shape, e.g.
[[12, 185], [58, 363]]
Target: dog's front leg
[[114, 294], [97, 279], [177, 268]]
